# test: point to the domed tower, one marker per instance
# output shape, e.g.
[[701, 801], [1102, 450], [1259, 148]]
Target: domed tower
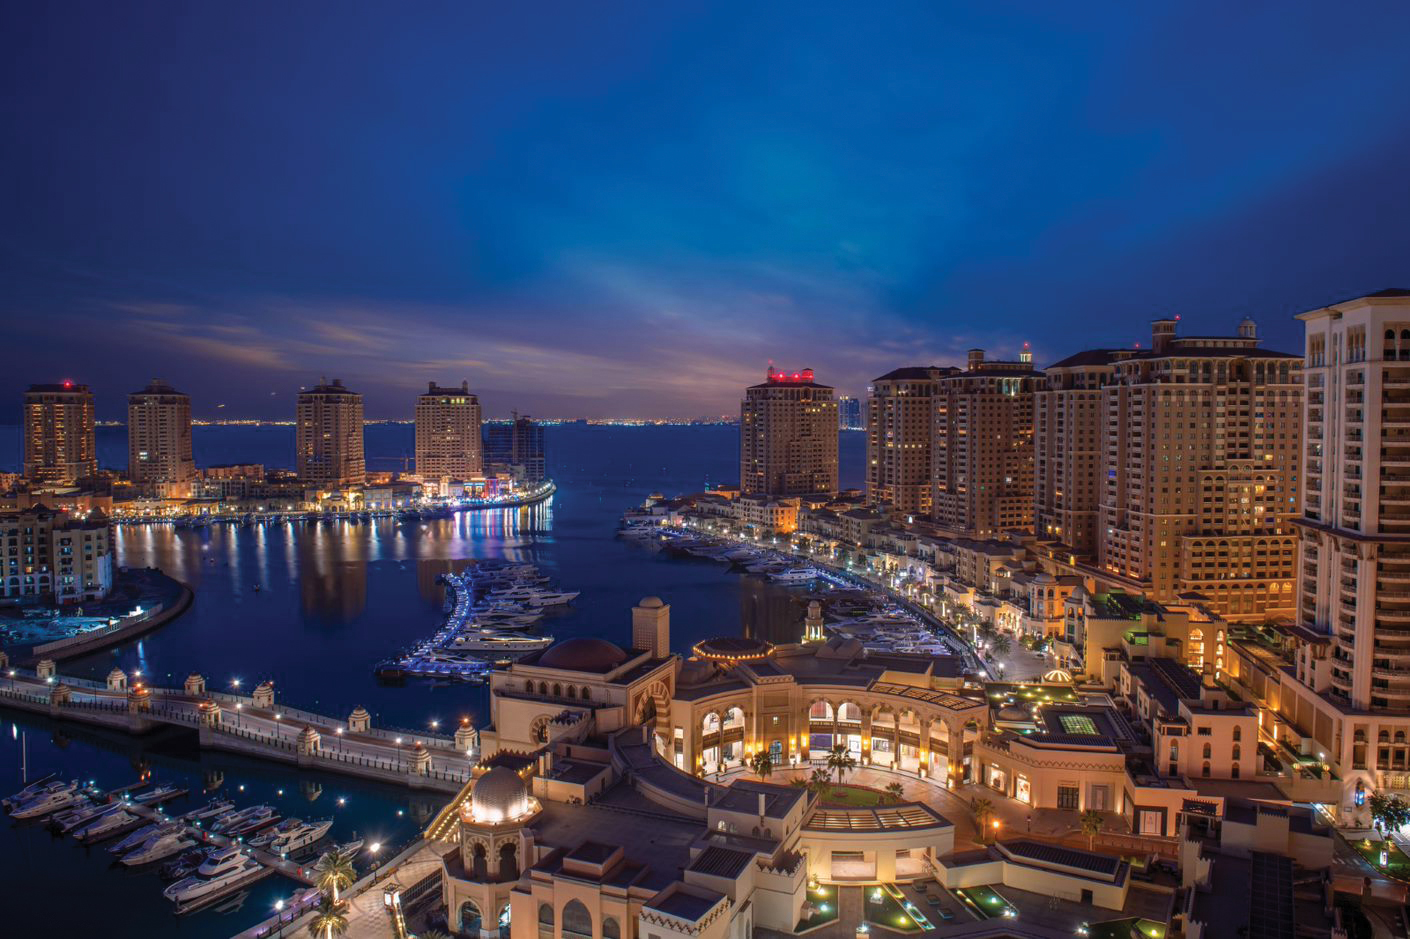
[[493, 826]]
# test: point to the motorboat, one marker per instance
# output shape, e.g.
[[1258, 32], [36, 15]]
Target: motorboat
[[66, 822], [219, 874], [141, 835], [158, 795], [48, 801], [301, 837], [234, 820], [254, 822], [186, 864], [269, 834], [29, 792], [107, 826], [159, 847], [348, 848], [497, 643], [211, 809]]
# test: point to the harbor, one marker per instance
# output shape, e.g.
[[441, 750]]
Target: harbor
[[491, 606]]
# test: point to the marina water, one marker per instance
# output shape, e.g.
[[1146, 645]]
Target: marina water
[[313, 606]]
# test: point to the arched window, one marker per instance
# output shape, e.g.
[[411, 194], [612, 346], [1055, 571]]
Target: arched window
[[1206, 769], [1237, 753], [572, 693], [1208, 751], [479, 866], [587, 693], [546, 915], [1238, 734], [543, 687], [610, 929], [508, 862], [577, 921], [469, 917], [557, 690]]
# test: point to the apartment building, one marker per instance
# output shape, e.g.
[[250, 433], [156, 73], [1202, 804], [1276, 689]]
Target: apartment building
[[47, 554], [159, 438], [59, 446], [329, 436], [983, 447], [900, 427], [1199, 476], [788, 436], [448, 441]]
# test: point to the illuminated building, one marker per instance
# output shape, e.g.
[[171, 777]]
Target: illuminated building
[[58, 434], [159, 437], [329, 436], [900, 428], [788, 436], [1199, 476], [515, 448], [983, 447], [47, 553], [448, 444], [850, 414]]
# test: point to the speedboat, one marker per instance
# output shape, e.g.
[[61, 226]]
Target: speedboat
[[142, 835], [66, 822], [220, 873], [186, 864], [62, 796], [159, 794], [159, 846], [210, 810], [269, 834], [258, 817], [29, 792], [107, 826], [236, 819]]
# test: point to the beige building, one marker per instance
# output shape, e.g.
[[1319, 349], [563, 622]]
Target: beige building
[[159, 437], [46, 553], [59, 446], [900, 426], [766, 514], [329, 436], [448, 444], [983, 447], [1069, 436], [788, 436], [1199, 476]]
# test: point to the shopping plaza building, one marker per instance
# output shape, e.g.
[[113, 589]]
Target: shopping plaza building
[[589, 740]]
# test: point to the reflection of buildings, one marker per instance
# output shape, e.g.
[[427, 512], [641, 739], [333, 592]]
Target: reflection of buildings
[[429, 572], [332, 575], [58, 433]]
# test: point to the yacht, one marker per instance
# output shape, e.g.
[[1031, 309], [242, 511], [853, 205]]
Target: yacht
[[793, 575], [211, 809], [226, 822], [158, 795], [497, 643], [220, 873], [535, 596], [107, 826], [29, 792], [50, 799], [141, 835], [159, 846], [270, 834], [66, 822], [299, 837], [259, 817]]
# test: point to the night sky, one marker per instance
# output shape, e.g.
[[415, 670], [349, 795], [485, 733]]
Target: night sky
[[608, 209]]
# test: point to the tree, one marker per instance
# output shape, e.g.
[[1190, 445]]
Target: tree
[[1092, 822], [1379, 804], [1388, 813], [328, 920], [433, 934], [818, 781], [762, 763], [1002, 644], [895, 791], [841, 761], [983, 811], [333, 873]]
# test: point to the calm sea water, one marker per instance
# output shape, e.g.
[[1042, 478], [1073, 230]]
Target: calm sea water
[[336, 598]]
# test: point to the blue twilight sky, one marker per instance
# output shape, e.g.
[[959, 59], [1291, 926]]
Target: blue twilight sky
[[606, 208]]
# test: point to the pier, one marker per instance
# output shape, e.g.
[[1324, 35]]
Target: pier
[[253, 725]]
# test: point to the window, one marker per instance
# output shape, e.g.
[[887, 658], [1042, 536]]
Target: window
[[1202, 731], [1068, 797], [577, 921]]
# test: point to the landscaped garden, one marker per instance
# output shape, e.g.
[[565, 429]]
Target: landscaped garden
[[986, 903], [819, 909], [884, 908], [1396, 865], [1130, 928]]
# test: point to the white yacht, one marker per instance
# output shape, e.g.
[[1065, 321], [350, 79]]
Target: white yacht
[[140, 836], [29, 792], [535, 596], [159, 846], [222, 872], [301, 837], [49, 800], [794, 575], [106, 826], [238, 819], [211, 809], [158, 795], [497, 643], [77, 818]]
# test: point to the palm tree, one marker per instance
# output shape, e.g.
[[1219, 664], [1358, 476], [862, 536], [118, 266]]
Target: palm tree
[[895, 791], [1002, 644], [328, 920], [983, 811], [334, 872], [841, 761], [762, 763], [1092, 823], [818, 781], [433, 934]]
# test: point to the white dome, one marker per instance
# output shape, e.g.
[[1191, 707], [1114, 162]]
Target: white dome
[[498, 796]]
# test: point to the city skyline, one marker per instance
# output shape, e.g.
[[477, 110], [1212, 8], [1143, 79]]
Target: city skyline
[[650, 204]]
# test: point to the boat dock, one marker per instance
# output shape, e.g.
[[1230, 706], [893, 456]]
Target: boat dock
[[254, 725], [273, 864]]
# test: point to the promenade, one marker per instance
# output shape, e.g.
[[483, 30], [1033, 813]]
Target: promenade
[[254, 725]]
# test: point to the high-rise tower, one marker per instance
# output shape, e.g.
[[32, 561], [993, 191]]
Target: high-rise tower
[[448, 444], [59, 444], [329, 436], [159, 436], [788, 436]]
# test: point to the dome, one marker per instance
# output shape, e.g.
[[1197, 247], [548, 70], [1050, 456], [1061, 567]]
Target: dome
[[584, 654], [734, 649], [652, 603], [498, 796], [1014, 713]]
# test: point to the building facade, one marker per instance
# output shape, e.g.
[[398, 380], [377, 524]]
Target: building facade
[[515, 448], [788, 436], [48, 554], [900, 427], [159, 437], [1199, 475], [329, 436], [850, 414], [448, 441], [983, 447], [59, 445]]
